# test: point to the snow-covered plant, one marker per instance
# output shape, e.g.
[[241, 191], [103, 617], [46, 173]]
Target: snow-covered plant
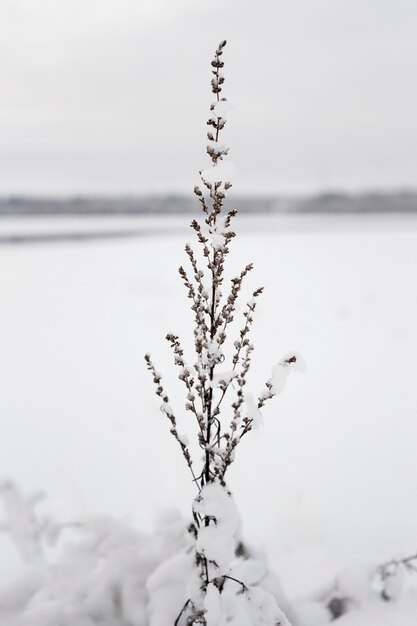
[[214, 593], [362, 584], [391, 575], [30, 532], [86, 573]]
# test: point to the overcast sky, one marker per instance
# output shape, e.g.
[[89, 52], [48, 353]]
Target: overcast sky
[[112, 96]]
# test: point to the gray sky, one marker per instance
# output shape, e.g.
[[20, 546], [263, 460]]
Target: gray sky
[[112, 96]]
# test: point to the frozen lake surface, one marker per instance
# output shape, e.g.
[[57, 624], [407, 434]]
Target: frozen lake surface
[[330, 476]]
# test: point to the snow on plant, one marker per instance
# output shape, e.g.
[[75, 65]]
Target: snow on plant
[[98, 573], [214, 596], [30, 532], [391, 576], [362, 584]]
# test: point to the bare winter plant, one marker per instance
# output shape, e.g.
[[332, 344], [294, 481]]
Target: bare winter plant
[[391, 575], [208, 382], [388, 581]]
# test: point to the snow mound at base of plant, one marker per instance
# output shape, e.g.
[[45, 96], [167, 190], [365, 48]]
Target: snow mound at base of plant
[[103, 571]]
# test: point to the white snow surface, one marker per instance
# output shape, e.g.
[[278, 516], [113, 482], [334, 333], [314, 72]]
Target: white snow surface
[[329, 479]]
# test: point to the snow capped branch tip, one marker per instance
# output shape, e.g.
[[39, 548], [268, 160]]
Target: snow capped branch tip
[[290, 362], [294, 361], [220, 47]]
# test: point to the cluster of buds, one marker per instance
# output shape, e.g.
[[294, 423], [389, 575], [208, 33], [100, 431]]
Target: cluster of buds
[[217, 63], [216, 151], [216, 120], [167, 410]]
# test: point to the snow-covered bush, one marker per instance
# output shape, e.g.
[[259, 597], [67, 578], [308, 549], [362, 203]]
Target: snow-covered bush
[[364, 592], [103, 571], [81, 574], [213, 586]]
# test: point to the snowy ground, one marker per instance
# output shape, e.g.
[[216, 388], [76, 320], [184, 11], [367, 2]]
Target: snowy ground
[[330, 478]]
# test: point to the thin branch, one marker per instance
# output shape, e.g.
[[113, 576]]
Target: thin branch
[[177, 621]]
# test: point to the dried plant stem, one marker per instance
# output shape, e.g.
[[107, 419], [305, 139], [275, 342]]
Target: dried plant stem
[[220, 429], [212, 317]]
